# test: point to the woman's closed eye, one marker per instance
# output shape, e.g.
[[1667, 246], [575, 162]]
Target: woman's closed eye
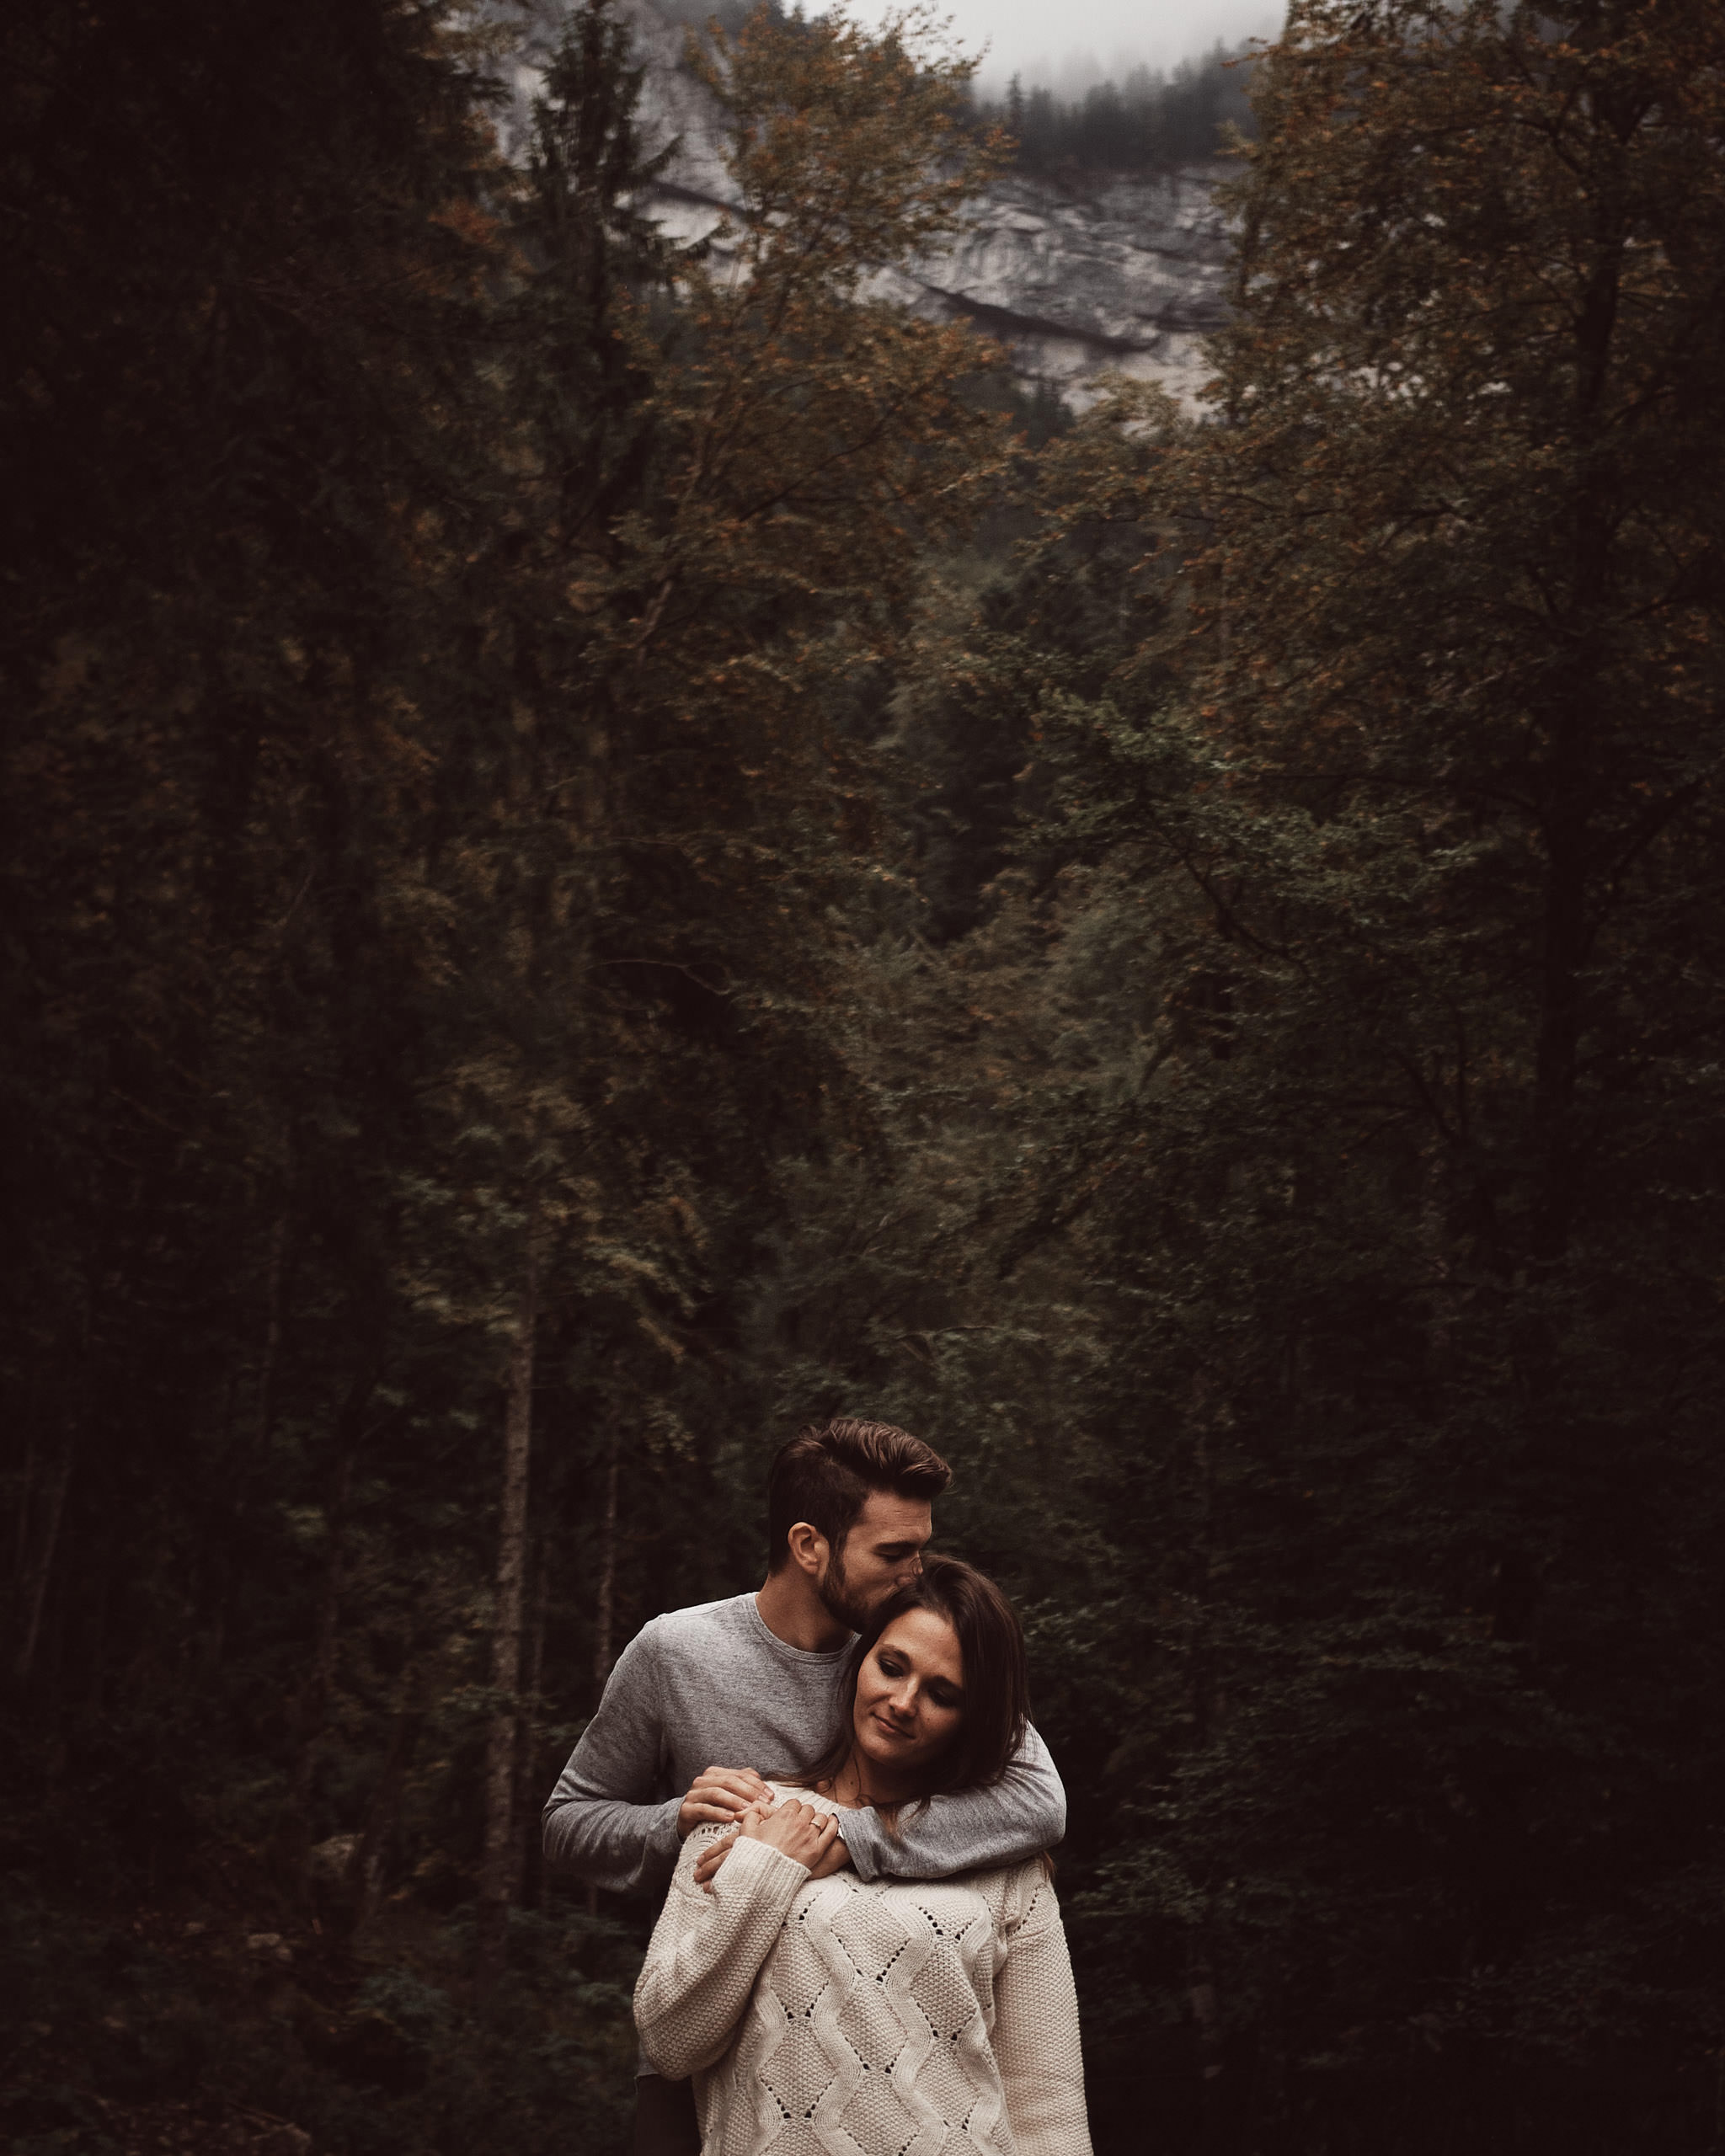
[[940, 1693]]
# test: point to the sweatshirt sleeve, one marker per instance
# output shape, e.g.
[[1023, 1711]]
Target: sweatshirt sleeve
[[708, 1948], [1035, 2034], [600, 1822], [1020, 1816]]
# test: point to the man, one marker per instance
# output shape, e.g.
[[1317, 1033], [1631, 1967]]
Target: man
[[849, 1507]]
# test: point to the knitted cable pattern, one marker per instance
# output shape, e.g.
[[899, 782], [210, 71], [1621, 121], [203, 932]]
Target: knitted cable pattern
[[841, 2017]]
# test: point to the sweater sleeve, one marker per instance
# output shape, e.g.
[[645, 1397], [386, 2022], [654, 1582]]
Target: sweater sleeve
[[708, 1948], [1035, 2034], [599, 1822], [972, 1830]]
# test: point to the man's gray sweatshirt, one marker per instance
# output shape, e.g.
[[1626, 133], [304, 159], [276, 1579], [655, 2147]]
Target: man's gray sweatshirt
[[712, 1687]]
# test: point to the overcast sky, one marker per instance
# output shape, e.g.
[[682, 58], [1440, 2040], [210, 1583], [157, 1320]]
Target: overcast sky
[[1064, 44]]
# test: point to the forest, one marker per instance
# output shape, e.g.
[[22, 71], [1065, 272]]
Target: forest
[[606, 851], [1147, 122]]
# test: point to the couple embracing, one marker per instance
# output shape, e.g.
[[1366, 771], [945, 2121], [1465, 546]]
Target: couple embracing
[[860, 1952]]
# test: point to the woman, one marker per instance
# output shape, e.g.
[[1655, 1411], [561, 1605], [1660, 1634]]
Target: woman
[[890, 2017]]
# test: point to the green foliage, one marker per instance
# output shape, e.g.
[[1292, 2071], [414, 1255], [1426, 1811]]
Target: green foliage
[[119, 2023], [1355, 1012], [1181, 958], [425, 852]]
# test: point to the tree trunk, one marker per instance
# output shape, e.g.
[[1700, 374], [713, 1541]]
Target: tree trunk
[[1207, 1710], [35, 1586], [21, 1525], [499, 1882], [605, 1616], [311, 1709], [365, 1867], [528, 1794], [1206, 2019], [272, 1331]]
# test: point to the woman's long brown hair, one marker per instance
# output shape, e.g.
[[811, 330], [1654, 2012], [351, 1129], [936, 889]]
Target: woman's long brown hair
[[997, 1681]]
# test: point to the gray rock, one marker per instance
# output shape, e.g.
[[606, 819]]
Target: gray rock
[[327, 1862], [1125, 274], [1128, 276]]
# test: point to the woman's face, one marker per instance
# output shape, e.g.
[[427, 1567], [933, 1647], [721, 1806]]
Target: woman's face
[[910, 1698]]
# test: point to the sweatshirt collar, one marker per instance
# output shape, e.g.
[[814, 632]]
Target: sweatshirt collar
[[784, 1646]]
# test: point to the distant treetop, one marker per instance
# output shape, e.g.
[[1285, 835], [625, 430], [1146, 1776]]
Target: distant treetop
[[1150, 122]]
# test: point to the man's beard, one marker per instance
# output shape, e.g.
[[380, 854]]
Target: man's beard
[[836, 1598]]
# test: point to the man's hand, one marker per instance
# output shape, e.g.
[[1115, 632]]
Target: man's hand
[[834, 1857], [718, 1797]]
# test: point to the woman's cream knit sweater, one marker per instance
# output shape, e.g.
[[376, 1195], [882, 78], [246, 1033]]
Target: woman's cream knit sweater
[[843, 2018]]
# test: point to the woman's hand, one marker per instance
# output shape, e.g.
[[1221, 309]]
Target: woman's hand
[[802, 1833], [809, 1838]]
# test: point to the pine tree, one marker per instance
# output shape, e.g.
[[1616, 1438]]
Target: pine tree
[[218, 465], [1397, 1239]]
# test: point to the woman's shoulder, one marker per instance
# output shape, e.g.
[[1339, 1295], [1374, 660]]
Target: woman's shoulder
[[1014, 1896], [1022, 1895]]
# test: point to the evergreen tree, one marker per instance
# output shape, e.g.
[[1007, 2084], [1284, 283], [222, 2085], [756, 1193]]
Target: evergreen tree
[[426, 837], [1393, 1223]]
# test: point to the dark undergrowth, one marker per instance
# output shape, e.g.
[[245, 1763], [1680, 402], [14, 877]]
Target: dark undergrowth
[[226, 2008]]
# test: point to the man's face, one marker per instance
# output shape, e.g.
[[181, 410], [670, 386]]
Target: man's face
[[882, 1551]]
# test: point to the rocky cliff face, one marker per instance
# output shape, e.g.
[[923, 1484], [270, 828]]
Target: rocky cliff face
[[1125, 275]]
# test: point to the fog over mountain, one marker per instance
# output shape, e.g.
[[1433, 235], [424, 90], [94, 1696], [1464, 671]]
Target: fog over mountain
[[1077, 266], [1068, 49]]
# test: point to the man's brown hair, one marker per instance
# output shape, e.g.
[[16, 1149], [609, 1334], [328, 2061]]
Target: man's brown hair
[[825, 1473]]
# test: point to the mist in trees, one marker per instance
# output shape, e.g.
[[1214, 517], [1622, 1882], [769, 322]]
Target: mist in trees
[[608, 848], [1150, 122]]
